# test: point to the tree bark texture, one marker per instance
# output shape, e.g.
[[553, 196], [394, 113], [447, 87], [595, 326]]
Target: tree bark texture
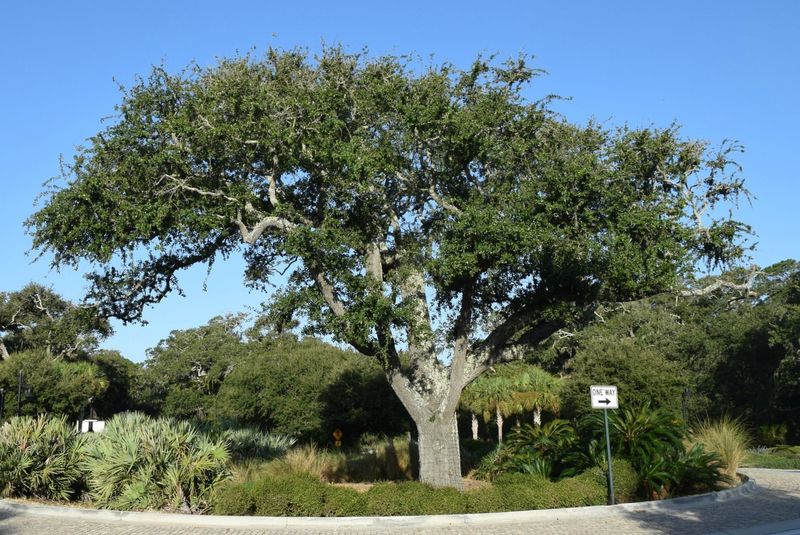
[[499, 426], [474, 426], [439, 453]]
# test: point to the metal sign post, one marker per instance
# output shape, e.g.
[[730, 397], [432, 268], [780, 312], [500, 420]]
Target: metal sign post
[[610, 468], [19, 393], [605, 397]]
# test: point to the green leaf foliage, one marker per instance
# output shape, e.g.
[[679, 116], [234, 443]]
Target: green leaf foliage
[[395, 203], [629, 349], [37, 318], [50, 386], [451, 172], [291, 495], [251, 443], [140, 463], [185, 371], [514, 388], [41, 457], [301, 495], [124, 383], [307, 388]]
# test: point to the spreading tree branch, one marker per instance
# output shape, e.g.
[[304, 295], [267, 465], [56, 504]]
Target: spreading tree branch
[[746, 287]]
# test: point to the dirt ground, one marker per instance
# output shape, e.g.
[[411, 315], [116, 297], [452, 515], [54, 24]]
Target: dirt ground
[[469, 484]]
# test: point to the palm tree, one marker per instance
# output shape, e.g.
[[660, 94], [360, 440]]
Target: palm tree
[[537, 390], [511, 389], [472, 400], [490, 395]]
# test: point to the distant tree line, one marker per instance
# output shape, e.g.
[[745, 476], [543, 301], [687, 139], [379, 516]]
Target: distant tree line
[[734, 353]]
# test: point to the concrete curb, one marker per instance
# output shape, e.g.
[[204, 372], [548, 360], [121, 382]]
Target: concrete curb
[[471, 520]]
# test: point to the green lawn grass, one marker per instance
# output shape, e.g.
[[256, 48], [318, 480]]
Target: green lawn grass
[[782, 457]]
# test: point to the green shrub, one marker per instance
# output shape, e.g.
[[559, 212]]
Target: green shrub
[[539, 450], [501, 498], [304, 495], [234, 498], [7, 465], [41, 458], [342, 501], [786, 450], [413, 498], [654, 441], [698, 471], [518, 491], [772, 434], [253, 443], [142, 463], [491, 465], [290, 495], [626, 480], [772, 459], [473, 452], [295, 495], [639, 432]]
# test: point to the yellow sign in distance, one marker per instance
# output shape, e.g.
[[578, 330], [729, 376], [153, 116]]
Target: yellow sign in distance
[[337, 434]]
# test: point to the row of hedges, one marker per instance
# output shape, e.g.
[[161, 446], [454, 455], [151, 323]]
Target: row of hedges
[[303, 495]]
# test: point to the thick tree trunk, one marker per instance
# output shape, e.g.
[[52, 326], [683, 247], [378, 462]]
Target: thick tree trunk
[[439, 453], [499, 426], [474, 426]]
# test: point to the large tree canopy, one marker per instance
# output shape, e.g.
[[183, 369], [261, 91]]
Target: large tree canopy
[[422, 209]]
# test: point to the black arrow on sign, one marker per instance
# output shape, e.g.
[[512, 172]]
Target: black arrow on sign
[[606, 401]]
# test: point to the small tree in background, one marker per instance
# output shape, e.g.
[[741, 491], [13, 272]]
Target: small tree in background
[[510, 389], [50, 386], [535, 390], [184, 372], [36, 317]]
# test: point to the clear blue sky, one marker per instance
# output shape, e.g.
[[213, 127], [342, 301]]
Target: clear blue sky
[[725, 69]]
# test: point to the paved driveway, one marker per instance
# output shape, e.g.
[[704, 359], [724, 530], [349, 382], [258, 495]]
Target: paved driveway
[[771, 507]]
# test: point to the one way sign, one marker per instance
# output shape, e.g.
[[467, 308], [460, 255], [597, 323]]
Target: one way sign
[[604, 397]]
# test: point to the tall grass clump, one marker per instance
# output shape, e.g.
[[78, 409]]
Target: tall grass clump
[[252, 443], [727, 437], [141, 463], [311, 460], [380, 459], [40, 458]]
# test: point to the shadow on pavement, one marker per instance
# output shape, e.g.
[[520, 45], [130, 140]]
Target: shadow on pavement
[[5, 515], [765, 506]]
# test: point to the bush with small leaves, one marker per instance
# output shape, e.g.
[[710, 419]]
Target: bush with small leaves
[[234, 498], [289, 495], [518, 491], [413, 498], [305, 495]]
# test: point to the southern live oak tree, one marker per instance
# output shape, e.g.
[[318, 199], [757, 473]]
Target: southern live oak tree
[[36, 317], [435, 219]]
